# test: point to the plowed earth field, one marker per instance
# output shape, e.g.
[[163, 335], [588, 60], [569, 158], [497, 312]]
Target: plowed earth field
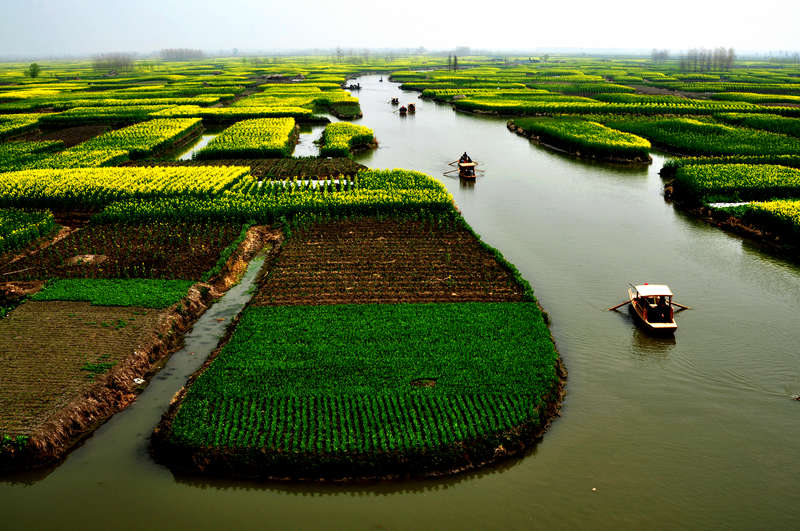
[[371, 261], [52, 352], [150, 250]]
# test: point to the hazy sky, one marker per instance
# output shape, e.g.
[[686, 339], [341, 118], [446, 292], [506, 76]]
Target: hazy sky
[[64, 27]]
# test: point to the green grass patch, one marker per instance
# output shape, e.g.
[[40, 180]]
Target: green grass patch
[[95, 369], [144, 292]]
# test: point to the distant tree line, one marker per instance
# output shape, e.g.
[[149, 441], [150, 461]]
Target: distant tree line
[[660, 56], [702, 60], [119, 62], [783, 56], [181, 54], [452, 62]]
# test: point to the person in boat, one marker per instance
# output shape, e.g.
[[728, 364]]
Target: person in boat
[[465, 158], [662, 308]]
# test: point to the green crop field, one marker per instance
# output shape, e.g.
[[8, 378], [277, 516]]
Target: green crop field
[[18, 227], [92, 188], [736, 182], [702, 137], [341, 137], [587, 138], [261, 137], [781, 216], [354, 387]]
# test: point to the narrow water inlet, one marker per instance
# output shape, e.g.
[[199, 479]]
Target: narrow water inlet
[[122, 442], [306, 146], [201, 142]]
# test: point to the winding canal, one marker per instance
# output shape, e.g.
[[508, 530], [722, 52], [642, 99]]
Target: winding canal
[[698, 432]]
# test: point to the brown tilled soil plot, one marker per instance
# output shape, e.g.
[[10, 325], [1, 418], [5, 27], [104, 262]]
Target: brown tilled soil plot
[[150, 250], [52, 352], [372, 261]]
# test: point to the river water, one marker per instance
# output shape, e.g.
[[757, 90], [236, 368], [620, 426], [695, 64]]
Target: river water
[[695, 432]]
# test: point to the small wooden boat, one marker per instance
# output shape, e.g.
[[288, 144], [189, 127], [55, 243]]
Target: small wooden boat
[[412, 108], [402, 110], [395, 101], [652, 306], [466, 170]]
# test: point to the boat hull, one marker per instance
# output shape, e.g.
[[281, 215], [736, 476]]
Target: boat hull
[[666, 329]]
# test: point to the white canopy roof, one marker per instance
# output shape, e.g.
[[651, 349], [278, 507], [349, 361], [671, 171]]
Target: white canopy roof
[[653, 290]]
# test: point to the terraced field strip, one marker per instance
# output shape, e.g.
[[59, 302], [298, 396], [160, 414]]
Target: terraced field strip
[[310, 168], [151, 250], [372, 261]]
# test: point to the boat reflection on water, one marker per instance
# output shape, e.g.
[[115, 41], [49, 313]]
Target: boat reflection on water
[[645, 345]]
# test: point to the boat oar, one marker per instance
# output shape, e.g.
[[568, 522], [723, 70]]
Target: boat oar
[[681, 306], [619, 305]]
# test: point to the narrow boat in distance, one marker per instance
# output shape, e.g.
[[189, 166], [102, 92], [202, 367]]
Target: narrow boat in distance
[[466, 170], [652, 306], [395, 101], [466, 167]]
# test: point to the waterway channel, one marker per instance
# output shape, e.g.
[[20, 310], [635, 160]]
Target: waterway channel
[[696, 432]]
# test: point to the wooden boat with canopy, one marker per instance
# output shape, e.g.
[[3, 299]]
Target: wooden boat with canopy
[[466, 170], [652, 306]]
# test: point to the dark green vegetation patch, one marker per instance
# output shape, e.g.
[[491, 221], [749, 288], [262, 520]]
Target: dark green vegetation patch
[[369, 390], [144, 292]]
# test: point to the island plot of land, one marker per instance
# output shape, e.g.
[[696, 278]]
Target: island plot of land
[[310, 388]]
